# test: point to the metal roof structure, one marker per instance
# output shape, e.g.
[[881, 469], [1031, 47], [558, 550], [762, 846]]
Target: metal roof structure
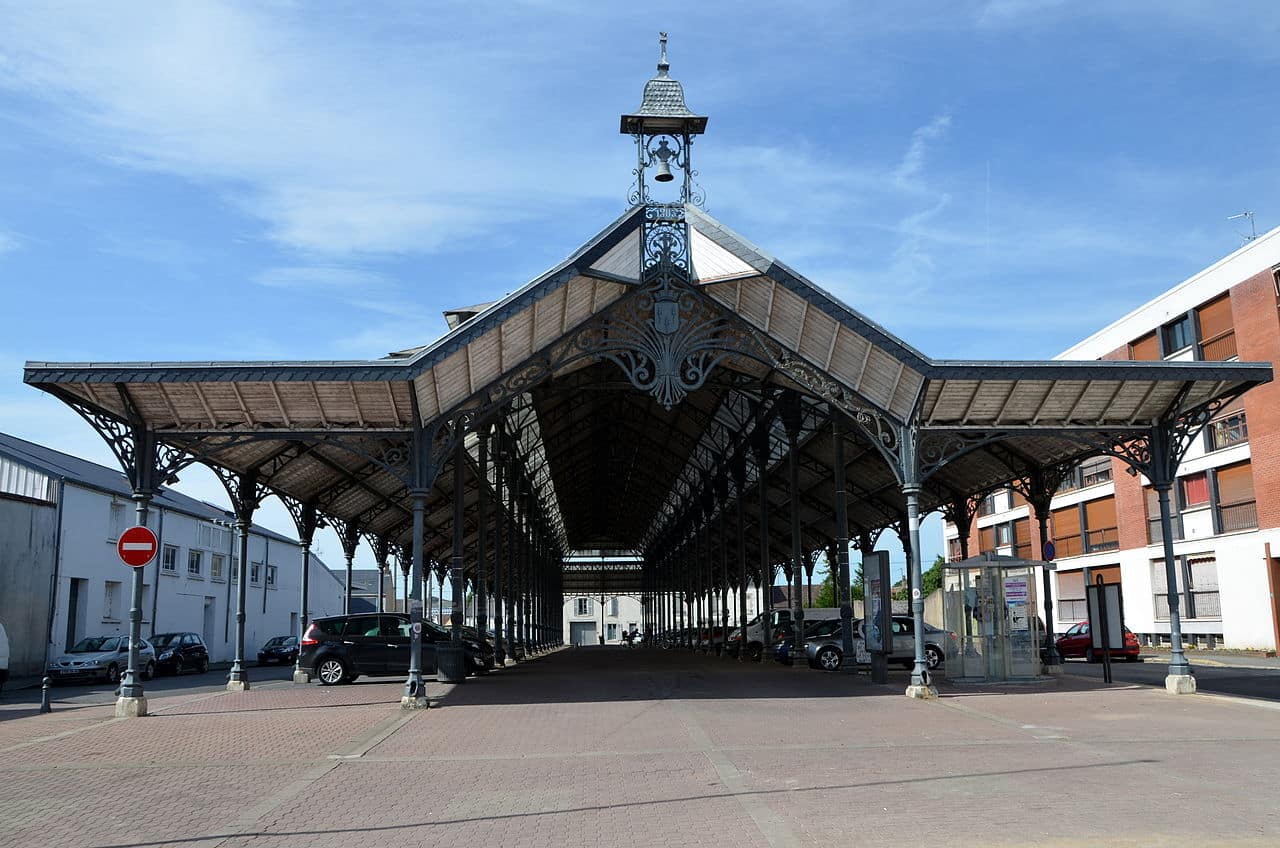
[[669, 389]]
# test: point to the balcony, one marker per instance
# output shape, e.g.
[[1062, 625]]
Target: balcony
[[1238, 516], [1220, 347], [1102, 539], [1155, 537]]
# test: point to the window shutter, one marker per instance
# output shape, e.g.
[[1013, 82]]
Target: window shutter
[[1145, 348], [1100, 514], [1235, 484], [1215, 317], [1066, 522]]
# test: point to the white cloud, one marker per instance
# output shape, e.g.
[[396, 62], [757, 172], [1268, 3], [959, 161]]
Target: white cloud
[[8, 242]]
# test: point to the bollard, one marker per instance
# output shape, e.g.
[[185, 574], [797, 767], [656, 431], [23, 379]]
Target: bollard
[[45, 707]]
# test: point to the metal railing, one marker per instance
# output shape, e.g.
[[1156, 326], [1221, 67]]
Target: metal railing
[[1220, 347], [1102, 539], [1155, 537], [1238, 516]]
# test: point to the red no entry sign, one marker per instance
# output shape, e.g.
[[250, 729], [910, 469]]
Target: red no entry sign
[[137, 546]]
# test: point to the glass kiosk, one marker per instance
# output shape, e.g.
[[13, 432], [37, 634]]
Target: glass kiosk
[[990, 603]]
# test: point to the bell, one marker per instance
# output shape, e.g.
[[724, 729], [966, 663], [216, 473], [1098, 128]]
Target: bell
[[664, 172]]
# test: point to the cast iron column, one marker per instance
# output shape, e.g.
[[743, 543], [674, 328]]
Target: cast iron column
[[350, 540], [237, 678], [791, 419], [739, 480], [415, 692], [499, 529], [452, 663], [919, 673], [307, 528], [131, 682], [848, 662], [482, 532]]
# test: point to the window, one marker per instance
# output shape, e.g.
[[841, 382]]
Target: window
[[613, 606], [1194, 490], [1177, 334], [195, 563], [953, 550], [1095, 471], [1154, 534], [1197, 587], [1146, 348], [1022, 538], [986, 539], [1100, 525], [988, 505], [111, 601], [1217, 335], [582, 606], [1237, 508], [1071, 598], [611, 631], [217, 566], [211, 536], [1066, 531], [1228, 429], [271, 576], [1004, 535], [255, 573], [169, 559], [115, 524], [235, 569]]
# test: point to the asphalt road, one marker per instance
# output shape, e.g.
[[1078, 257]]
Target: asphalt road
[[1220, 680], [89, 694]]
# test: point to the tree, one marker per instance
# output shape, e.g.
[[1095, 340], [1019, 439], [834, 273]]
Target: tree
[[931, 580]]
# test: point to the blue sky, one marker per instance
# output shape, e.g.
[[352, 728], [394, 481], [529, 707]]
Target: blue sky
[[284, 180]]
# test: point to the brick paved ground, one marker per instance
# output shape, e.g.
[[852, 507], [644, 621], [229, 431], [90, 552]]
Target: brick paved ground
[[614, 747]]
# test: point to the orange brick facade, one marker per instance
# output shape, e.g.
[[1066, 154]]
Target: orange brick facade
[[1257, 322]]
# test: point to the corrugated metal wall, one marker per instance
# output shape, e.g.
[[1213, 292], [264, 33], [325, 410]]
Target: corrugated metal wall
[[28, 535], [24, 482]]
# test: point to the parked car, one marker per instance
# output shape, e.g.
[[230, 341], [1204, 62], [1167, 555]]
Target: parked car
[[179, 652], [104, 657], [1078, 642], [827, 653], [278, 649], [338, 649], [821, 629]]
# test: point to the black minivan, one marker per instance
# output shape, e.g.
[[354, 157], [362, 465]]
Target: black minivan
[[340, 648]]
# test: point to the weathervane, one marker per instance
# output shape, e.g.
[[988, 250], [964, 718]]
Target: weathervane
[[663, 128]]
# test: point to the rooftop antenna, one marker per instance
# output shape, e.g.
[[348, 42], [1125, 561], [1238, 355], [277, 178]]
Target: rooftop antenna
[[1253, 230]]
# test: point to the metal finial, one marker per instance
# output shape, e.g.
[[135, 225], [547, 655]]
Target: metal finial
[[663, 65]]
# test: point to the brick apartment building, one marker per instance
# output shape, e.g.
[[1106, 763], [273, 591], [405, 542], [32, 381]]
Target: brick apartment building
[[1227, 499]]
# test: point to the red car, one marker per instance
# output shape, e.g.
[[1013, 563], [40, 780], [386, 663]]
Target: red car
[[1076, 642]]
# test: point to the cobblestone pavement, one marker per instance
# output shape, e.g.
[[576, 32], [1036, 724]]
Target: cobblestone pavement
[[601, 746]]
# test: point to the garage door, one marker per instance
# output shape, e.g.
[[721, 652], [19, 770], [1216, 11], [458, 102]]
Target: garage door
[[582, 632]]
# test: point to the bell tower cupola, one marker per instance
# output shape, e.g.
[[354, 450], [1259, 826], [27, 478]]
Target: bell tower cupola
[[663, 128]]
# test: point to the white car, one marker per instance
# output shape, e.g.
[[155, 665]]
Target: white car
[[102, 656]]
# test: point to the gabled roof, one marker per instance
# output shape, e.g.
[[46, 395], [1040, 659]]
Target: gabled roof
[[90, 475]]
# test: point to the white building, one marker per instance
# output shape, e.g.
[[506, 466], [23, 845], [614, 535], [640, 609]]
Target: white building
[[587, 616], [62, 580]]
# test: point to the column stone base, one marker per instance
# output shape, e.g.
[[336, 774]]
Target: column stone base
[[131, 707], [409, 702], [1054, 670], [300, 676], [923, 693], [1178, 684], [237, 686]]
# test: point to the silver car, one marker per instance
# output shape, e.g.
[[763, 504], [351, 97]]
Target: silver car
[[826, 653], [101, 656]]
